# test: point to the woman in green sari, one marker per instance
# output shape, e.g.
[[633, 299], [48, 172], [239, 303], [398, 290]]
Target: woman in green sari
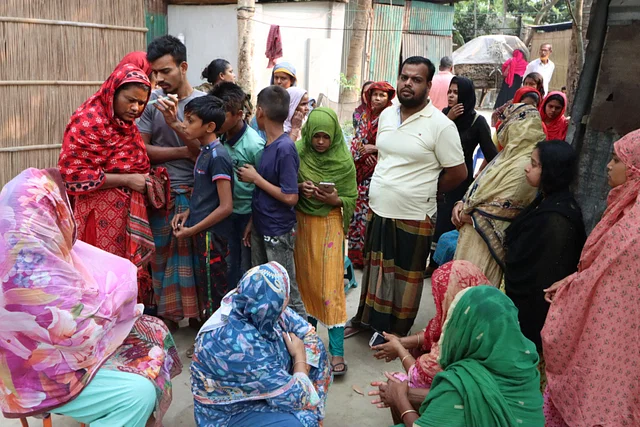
[[489, 375], [327, 183]]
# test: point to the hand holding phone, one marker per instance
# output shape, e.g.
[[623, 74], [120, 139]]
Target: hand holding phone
[[377, 339], [327, 187]]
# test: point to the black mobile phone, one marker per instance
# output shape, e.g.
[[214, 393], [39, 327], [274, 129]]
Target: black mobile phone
[[377, 339]]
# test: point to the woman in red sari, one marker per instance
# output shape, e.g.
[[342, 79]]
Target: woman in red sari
[[552, 112], [105, 167], [364, 151]]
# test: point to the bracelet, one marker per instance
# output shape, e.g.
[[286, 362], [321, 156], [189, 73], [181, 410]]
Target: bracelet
[[402, 360], [408, 411], [300, 362], [418, 335]]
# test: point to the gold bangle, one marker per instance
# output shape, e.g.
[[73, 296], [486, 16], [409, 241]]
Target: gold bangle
[[300, 362], [418, 335], [402, 361], [408, 411]]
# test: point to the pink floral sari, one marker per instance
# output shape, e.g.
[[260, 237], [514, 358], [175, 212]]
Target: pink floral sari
[[590, 337], [65, 308]]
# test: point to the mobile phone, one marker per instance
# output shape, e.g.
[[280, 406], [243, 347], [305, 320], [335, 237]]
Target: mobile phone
[[327, 187], [377, 339]]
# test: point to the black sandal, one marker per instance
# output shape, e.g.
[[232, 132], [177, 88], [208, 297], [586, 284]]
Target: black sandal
[[191, 351], [341, 372]]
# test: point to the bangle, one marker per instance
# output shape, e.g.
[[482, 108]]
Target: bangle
[[418, 335], [295, 363], [408, 411], [402, 361]]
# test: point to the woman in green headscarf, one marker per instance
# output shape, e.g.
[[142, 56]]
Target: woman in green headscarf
[[327, 182], [489, 375]]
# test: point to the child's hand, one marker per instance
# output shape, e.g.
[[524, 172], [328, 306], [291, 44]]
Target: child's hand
[[246, 237], [183, 232], [248, 173], [179, 220]]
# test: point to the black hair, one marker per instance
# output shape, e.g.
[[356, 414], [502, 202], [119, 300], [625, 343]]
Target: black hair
[[538, 79], [416, 60], [531, 95], [274, 100], [231, 94], [555, 97], [559, 165], [208, 108], [212, 72], [167, 45], [129, 86]]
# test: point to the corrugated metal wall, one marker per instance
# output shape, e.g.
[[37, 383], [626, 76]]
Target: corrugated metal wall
[[428, 28], [414, 28], [385, 43]]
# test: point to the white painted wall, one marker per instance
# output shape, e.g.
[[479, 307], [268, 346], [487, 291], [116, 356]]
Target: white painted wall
[[308, 42], [210, 32]]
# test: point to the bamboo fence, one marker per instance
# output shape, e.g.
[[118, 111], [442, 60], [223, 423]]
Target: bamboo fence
[[55, 54]]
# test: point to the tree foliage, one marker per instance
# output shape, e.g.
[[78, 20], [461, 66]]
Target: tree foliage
[[489, 15]]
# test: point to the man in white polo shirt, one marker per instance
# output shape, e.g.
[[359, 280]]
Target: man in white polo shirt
[[419, 155], [543, 66]]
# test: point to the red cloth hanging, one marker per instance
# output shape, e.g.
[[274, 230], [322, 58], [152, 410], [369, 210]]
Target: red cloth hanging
[[274, 45]]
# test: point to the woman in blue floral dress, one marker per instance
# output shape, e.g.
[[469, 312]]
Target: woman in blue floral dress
[[257, 362]]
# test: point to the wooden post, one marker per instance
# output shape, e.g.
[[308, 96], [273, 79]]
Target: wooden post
[[246, 10]]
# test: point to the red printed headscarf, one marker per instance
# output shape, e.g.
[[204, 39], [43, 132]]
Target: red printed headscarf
[[517, 98], [557, 128], [372, 118], [589, 339], [139, 59], [446, 282], [97, 142], [516, 65]]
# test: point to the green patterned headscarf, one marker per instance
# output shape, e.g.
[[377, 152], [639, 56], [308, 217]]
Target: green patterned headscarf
[[490, 374], [334, 165]]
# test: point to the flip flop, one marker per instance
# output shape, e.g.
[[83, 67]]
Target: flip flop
[[341, 372], [191, 351], [354, 330]]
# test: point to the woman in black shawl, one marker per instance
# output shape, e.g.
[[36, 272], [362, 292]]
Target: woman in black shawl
[[545, 241], [474, 130]]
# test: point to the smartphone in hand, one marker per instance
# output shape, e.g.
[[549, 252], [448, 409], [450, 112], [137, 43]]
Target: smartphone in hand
[[377, 339], [327, 187]]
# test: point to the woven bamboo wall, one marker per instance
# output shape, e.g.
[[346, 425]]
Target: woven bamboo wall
[[54, 55]]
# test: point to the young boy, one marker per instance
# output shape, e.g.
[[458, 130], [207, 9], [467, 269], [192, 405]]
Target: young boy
[[271, 232], [245, 148], [207, 220]]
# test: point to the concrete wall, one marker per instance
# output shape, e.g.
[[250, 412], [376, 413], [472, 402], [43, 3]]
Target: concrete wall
[[209, 32], [312, 35]]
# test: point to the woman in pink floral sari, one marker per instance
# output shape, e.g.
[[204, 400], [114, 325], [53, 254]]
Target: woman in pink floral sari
[[72, 339], [590, 338]]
